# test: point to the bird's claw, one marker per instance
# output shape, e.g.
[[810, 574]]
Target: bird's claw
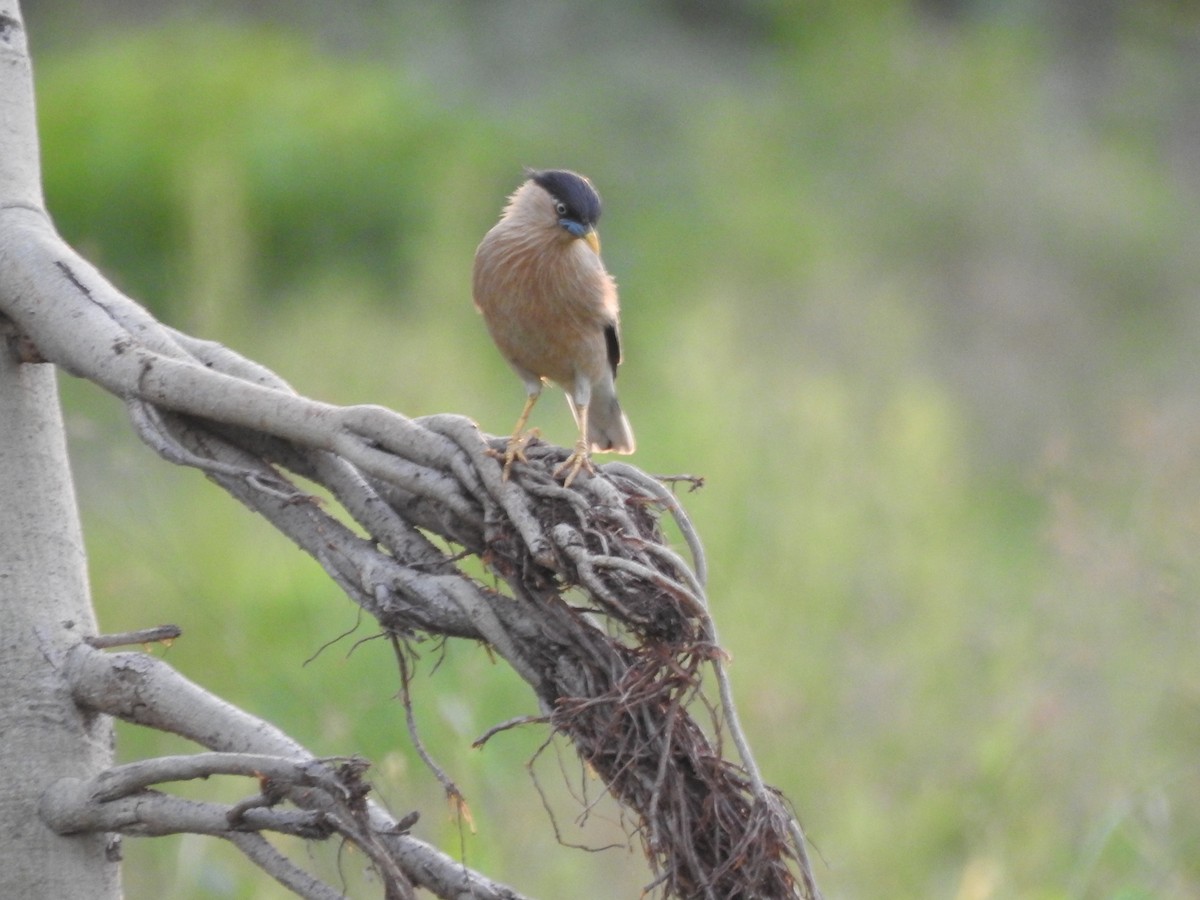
[[581, 458], [515, 451]]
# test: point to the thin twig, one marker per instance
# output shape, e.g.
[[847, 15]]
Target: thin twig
[[160, 633], [506, 726], [448, 785], [259, 851]]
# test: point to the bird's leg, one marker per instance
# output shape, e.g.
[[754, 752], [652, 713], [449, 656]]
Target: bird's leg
[[582, 455], [520, 438]]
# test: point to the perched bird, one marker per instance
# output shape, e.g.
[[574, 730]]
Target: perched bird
[[551, 308]]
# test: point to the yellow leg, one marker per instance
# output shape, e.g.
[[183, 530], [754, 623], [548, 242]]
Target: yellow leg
[[581, 457], [519, 440]]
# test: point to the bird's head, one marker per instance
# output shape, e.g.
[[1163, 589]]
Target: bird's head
[[567, 200]]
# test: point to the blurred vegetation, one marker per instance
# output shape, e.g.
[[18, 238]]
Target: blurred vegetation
[[912, 286]]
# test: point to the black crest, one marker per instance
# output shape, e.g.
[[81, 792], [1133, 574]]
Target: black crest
[[573, 191]]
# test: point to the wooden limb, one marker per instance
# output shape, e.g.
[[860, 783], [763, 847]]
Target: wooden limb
[[146, 691]]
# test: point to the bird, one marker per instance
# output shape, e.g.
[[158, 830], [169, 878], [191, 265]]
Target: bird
[[551, 308]]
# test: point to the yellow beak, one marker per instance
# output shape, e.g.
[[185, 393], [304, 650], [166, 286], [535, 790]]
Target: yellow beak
[[593, 240]]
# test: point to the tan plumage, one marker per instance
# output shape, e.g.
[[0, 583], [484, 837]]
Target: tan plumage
[[551, 307]]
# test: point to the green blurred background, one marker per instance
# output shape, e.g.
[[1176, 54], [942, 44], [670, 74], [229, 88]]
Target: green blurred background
[[912, 285]]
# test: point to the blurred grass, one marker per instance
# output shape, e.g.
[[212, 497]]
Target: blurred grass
[[920, 314]]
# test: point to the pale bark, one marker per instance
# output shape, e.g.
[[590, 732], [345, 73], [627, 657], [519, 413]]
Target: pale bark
[[44, 608], [146, 691], [44, 601]]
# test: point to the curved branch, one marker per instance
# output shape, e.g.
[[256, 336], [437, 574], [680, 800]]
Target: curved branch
[[70, 806], [259, 851], [146, 691], [120, 781]]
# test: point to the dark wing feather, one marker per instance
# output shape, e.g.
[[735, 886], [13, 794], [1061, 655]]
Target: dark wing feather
[[613, 340]]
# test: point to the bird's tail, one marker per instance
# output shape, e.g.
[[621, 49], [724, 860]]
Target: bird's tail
[[608, 427]]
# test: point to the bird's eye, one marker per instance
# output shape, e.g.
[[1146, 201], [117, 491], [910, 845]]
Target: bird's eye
[[560, 208]]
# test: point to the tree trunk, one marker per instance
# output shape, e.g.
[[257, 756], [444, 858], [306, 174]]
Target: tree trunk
[[44, 600], [44, 606]]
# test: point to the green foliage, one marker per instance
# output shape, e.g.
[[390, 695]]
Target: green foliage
[[211, 166], [917, 323]]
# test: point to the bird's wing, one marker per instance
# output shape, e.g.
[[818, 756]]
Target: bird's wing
[[613, 339]]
